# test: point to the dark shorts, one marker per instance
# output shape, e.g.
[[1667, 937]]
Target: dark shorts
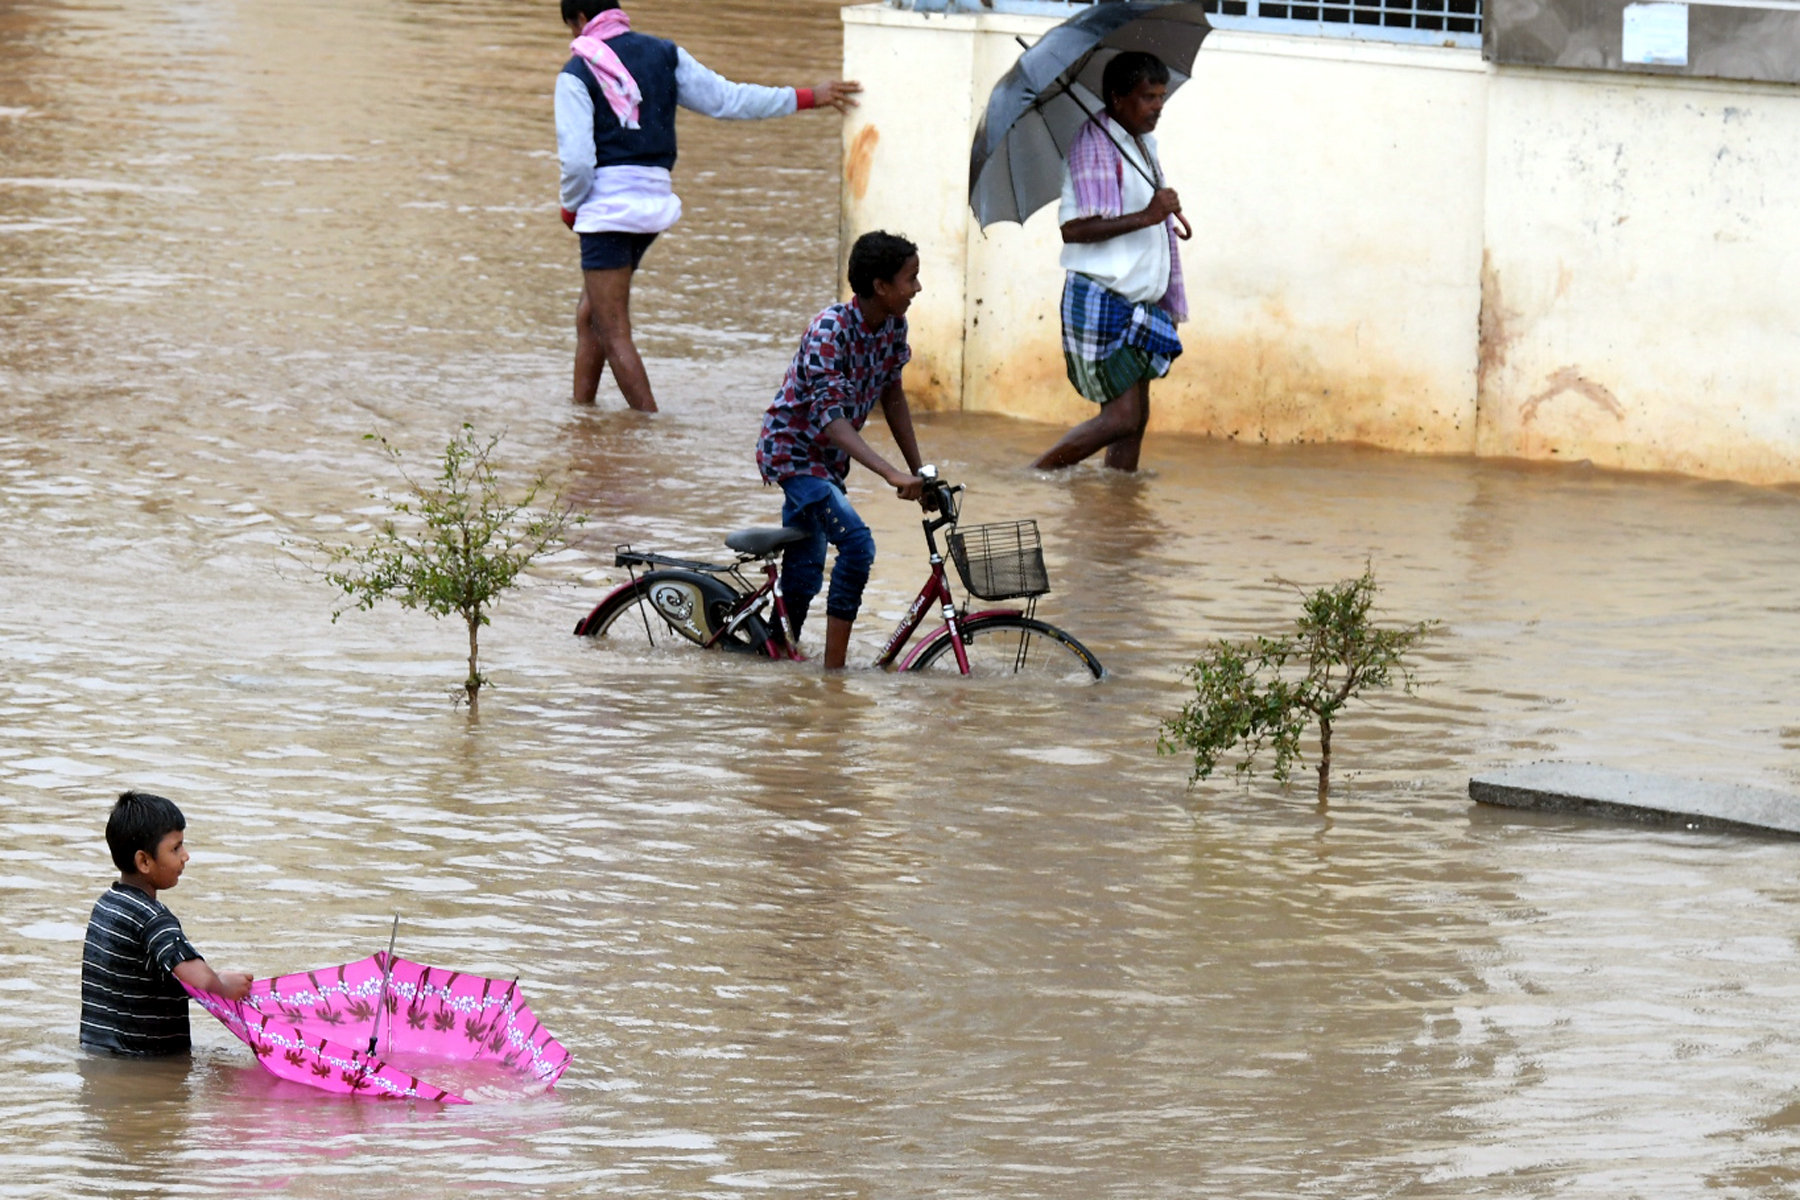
[[609, 251]]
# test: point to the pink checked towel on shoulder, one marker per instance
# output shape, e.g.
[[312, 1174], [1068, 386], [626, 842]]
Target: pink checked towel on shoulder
[[616, 83]]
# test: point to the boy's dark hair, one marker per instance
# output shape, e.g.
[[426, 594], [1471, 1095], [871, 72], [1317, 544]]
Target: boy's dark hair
[[585, 8], [140, 821], [1127, 69], [877, 255]]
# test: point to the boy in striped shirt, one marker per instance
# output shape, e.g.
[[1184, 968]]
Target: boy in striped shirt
[[136, 957]]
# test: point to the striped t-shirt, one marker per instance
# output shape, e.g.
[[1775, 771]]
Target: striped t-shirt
[[130, 1000]]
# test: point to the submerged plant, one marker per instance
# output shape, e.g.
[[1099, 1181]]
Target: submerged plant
[[454, 546], [1265, 692]]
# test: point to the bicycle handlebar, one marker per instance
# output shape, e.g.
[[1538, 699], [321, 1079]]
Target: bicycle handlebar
[[939, 497]]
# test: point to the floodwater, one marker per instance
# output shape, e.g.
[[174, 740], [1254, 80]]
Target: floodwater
[[860, 936]]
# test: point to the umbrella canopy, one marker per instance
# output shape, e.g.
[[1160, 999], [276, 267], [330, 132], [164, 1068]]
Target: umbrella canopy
[[321, 1028], [1015, 164]]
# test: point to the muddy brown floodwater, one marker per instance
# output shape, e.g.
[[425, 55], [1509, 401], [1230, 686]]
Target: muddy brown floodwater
[[863, 936]]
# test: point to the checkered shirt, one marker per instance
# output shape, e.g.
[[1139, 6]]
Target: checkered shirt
[[839, 372]]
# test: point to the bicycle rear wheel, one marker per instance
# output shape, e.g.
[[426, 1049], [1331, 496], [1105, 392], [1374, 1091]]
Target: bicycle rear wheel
[[664, 605], [1011, 645]]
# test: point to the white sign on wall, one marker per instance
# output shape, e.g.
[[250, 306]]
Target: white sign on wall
[[1656, 34]]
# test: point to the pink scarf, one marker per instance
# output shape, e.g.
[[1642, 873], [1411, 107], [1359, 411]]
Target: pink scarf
[[616, 84]]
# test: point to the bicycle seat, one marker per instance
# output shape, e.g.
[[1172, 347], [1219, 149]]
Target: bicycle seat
[[764, 542]]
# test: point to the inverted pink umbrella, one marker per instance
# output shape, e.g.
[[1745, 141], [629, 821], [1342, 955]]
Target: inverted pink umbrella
[[321, 1028]]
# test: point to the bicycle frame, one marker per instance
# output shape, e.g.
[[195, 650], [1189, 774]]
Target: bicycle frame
[[936, 589], [778, 644]]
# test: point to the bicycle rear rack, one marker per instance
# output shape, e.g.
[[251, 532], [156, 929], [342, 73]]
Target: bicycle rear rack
[[625, 556]]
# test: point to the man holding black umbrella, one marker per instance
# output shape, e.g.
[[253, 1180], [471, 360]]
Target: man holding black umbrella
[[1123, 291]]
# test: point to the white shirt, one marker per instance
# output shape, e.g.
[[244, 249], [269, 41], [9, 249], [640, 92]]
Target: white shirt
[[1135, 265], [636, 199]]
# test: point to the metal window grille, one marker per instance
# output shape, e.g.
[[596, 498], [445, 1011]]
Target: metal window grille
[[1427, 22], [1452, 22]]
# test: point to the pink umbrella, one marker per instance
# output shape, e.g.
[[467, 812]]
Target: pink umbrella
[[320, 1028]]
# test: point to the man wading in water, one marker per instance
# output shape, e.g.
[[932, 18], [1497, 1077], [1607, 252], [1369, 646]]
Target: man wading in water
[[1123, 293], [615, 134]]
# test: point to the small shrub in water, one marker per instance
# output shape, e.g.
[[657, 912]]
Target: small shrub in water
[[458, 545], [1265, 692]]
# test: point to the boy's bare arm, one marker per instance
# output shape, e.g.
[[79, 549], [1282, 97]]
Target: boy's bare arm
[[233, 985], [898, 414], [843, 435]]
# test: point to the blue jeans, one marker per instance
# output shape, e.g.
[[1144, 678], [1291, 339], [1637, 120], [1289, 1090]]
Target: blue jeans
[[820, 507]]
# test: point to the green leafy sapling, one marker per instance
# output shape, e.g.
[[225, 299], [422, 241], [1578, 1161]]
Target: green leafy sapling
[[455, 545], [1247, 698]]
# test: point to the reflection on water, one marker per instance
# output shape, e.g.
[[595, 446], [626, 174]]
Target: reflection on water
[[851, 936]]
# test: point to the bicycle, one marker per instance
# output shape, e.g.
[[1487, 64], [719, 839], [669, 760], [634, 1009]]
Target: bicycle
[[715, 605]]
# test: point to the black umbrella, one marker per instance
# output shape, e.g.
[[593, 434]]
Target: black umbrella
[[1034, 112]]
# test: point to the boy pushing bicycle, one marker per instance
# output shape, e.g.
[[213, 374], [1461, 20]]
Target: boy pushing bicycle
[[849, 360]]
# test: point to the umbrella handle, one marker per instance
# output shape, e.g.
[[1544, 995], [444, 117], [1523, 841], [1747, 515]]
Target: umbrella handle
[[1186, 231]]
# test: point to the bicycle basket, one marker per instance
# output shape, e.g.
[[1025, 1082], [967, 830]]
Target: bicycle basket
[[1001, 561]]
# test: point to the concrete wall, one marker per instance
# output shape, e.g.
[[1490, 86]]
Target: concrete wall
[[902, 172], [1641, 247], [1395, 245]]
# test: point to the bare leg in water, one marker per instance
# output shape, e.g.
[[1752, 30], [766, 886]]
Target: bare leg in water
[[1122, 455], [837, 642], [1118, 429], [603, 335]]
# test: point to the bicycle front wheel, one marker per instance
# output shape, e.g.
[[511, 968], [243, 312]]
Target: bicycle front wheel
[[1010, 645], [685, 604]]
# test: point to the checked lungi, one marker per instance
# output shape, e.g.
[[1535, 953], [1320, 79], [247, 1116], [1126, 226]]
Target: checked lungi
[[1110, 343]]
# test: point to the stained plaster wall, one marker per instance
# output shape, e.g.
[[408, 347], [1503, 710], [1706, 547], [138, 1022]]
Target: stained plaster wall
[[1640, 247], [1394, 245]]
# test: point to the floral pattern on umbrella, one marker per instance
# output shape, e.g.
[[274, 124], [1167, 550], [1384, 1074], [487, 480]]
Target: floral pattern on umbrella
[[315, 1027]]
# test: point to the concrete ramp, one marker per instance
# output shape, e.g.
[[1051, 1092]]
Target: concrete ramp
[[1586, 790]]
